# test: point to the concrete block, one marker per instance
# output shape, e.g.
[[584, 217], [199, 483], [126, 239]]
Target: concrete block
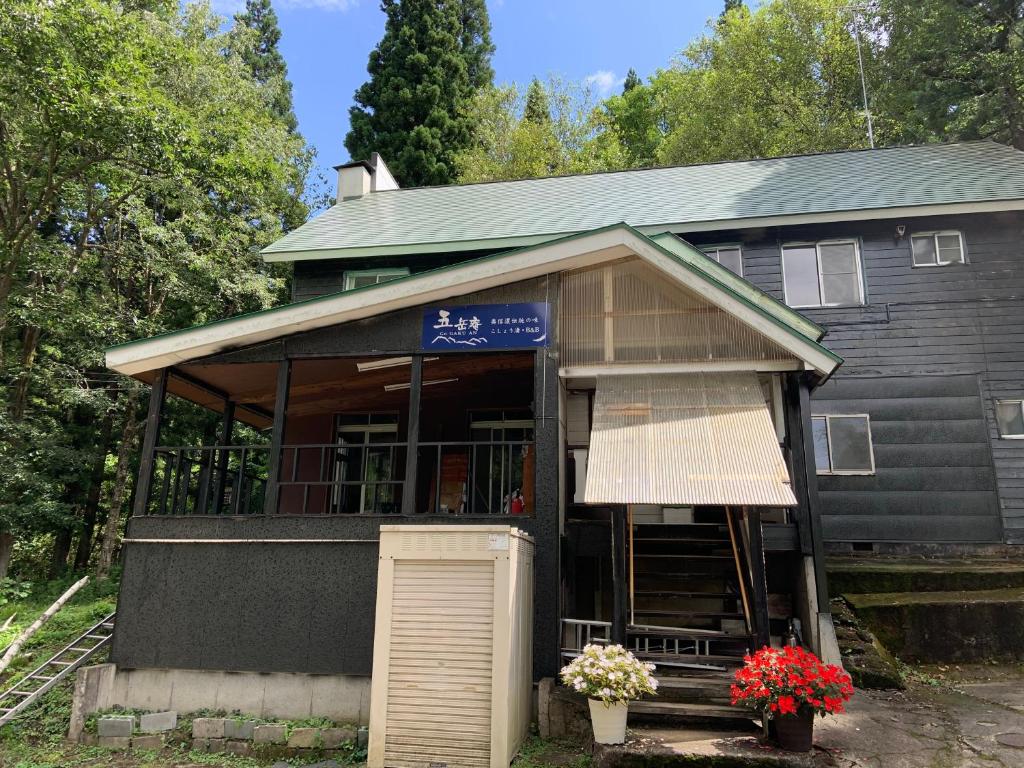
[[201, 745], [116, 725], [208, 728], [332, 738], [152, 741], [93, 693], [544, 688], [216, 745], [238, 747], [304, 738], [240, 692], [239, 729], [147, 689], [362, 737], [114, 742], [269, 734], [158, 722], [288, 697]]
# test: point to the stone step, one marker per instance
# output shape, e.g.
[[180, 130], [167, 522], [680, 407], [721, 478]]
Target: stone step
[[876, 574], [688, 710]]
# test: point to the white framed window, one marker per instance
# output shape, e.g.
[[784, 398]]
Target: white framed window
[[1010, 418], [360, 278], [729, 256], [937, 249], [842, 444], [822, 274]]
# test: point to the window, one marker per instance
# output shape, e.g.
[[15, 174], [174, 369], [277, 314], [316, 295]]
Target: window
[[367, 464], [1010, 417], [729, 256], [825, 274], [936, 249], [842, 445], [363, 277]]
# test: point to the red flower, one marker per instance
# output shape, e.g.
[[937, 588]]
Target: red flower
[[786, 680]]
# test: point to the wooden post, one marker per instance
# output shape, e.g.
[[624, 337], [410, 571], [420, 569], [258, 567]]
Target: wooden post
[[227, 429], [805, 479], [758, 578], [412, 440], [157, 395], [619, 586], [284, 378]]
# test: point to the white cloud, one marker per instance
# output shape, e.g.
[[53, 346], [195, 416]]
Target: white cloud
[[603, 81]]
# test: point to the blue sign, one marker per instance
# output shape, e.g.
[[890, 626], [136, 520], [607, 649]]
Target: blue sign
[[486, 326]]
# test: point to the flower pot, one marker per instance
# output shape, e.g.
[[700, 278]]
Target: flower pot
[[609, 721], [794, 733]]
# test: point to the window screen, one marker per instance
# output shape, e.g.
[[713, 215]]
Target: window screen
[[1010, 417], [822, 275], [842, 444], [932, 249]]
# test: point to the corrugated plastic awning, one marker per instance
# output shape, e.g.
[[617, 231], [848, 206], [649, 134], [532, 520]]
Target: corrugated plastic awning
[[685, 439]]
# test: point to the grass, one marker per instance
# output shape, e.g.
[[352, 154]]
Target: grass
[[539, 753]]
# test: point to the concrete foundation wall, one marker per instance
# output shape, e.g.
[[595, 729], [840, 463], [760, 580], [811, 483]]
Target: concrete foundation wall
[[275, 695]]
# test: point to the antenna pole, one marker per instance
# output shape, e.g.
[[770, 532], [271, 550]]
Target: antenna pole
[[863, 82]]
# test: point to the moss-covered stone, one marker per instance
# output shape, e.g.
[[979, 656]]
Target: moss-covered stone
[[946, 626], [875, 574], [867, 661]]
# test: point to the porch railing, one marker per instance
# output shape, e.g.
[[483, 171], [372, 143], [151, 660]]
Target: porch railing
[[456, 478], [208, 480]]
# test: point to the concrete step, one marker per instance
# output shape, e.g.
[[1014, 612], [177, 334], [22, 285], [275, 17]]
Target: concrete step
[[952, 626], [687, 710], [873, 574]]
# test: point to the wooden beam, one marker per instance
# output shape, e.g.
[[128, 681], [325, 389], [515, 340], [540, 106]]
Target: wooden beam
[[620, 588], [707, 366], [796, 440], [284, 377], [803, 397], [412, 436], [758, 578], [157, 395]]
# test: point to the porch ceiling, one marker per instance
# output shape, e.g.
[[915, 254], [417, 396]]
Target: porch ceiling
[[334, 385]]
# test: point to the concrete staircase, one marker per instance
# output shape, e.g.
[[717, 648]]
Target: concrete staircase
[[936, 610]]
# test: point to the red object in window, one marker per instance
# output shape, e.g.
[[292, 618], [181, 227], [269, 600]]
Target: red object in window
[[517, 506]]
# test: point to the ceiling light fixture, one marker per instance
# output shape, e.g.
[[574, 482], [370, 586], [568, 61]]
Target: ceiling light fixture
[[406, 385], [388, 362]]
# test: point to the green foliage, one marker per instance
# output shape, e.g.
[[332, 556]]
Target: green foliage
[[433, 58], [509, 145], [538, 108], [149, 155], [12, 590], [632, 81], [953, 69]]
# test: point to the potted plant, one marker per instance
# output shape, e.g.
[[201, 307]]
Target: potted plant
[[610, 677], [789, 686]]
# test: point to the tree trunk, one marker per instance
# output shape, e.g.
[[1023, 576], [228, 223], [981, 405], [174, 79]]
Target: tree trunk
[[59, 553], [6, 550], [12, 651], [19, 398], [92, 500], [113, 524]]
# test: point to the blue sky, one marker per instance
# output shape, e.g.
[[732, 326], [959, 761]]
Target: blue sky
[[326, 44]]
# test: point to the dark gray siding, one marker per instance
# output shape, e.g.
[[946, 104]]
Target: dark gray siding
[[927, 356]]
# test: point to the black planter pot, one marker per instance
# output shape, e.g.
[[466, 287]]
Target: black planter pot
[[794, 733]]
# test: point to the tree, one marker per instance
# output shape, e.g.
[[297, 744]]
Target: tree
[[634, 119], [782, 79], [632, 81], [954, 69], [433, 58], [730, 6], [538, 108], [260, 53], [511, 145]]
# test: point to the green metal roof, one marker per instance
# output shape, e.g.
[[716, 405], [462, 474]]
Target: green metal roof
[[719, 195], [780, 316]]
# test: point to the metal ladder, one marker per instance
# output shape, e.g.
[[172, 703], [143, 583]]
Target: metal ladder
[[33, 686]]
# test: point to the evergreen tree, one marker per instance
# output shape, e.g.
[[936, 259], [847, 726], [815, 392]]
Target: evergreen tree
[[731, 5], [631, 82], [538, 109], [264, 59], [424, 75]]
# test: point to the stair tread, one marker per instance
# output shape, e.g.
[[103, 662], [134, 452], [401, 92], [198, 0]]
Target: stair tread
[[637, 611], [673, 593], [647, 707]]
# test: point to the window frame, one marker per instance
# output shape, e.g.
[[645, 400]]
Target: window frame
[[716, 247], [998, 402], [935, 234], [389, 272], [828, 434], [816, 244]]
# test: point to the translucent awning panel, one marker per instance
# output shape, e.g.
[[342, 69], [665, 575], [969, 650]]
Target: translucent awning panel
[[685, 439]]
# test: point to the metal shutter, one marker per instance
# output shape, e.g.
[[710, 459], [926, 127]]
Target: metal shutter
[[439, 683]]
